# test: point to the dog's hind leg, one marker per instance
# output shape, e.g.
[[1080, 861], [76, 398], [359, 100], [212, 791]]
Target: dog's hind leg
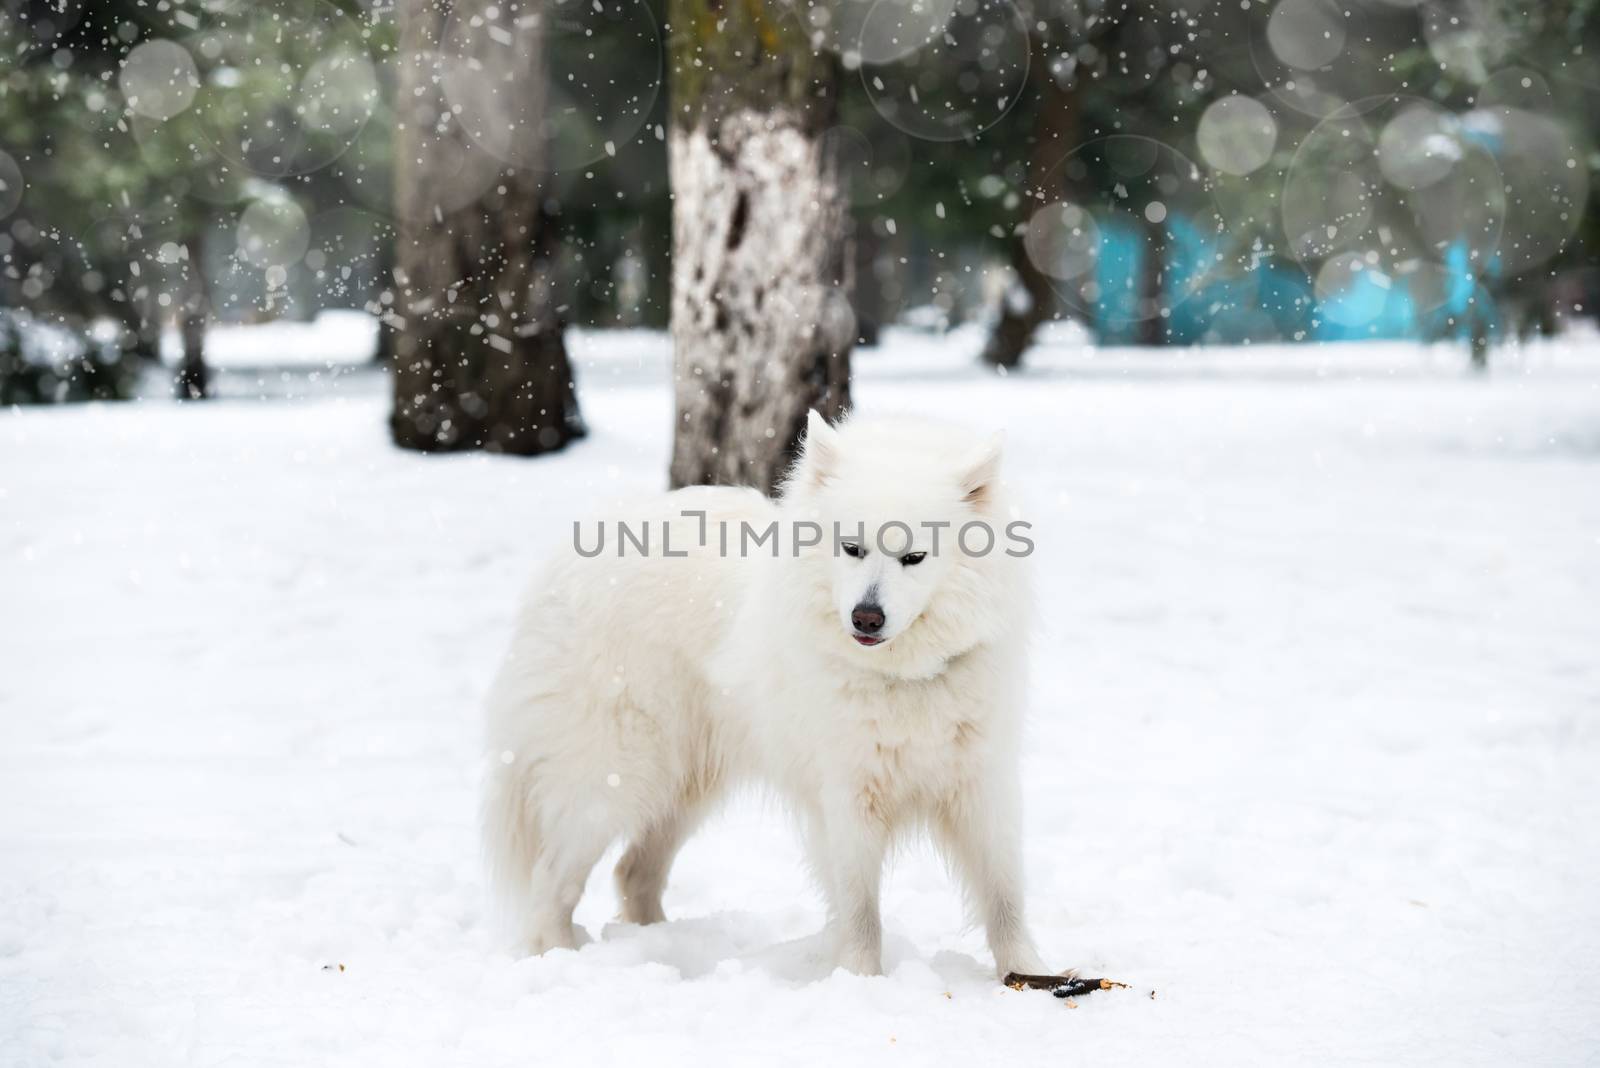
[[559, 873], [675, 805], [642, 872], [538, 861]]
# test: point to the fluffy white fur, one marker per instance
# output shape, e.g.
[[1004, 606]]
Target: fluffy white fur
[[638, 690]]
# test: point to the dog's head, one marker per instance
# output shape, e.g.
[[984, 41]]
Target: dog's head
[[915, 538]]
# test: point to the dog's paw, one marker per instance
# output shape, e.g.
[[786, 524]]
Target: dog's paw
[[557, 936], [861, 962], [1023, 962]]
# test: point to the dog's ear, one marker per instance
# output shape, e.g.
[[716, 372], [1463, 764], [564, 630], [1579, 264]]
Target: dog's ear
[[980, 471], [821, 449]]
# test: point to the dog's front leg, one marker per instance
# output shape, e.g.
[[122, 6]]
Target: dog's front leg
[[857, 845], [980, 833]]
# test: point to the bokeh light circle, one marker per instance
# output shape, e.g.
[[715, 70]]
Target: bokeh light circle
[[957, 81], [1515, 87], [1387, 193], [12, 185], [49, 22], [819, 317], [299, 113], [159, 79], [1418, 145], [1062, 240], [459, 170], [272, 232], [1318, 56], [602, 67], [204, 173], [1546, 182], [871, 169], [1306, 34], [1350, 290], [1126, 198], [1236, 135], [339, 92], [875, 31], [347, 252], [1466, 40]]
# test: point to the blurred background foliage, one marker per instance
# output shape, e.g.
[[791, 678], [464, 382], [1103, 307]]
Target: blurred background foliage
[[1219, 171]]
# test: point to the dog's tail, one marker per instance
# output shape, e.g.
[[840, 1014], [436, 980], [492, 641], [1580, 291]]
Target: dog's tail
[[511, 837]]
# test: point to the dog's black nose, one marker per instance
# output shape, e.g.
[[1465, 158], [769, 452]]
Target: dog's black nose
[[867, 618]]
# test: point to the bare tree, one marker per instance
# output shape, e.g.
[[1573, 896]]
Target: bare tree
[[193, 379], [479, 357], [1031, 301], [761, 320]]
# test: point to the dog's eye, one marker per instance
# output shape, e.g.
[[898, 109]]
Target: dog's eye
[[852, 549], [910, 559]]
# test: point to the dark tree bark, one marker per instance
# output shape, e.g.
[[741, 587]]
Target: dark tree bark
[[141, 332], [1055, 134], [1478, 326], [1480, 343], [479, 356], [1021, 312], [383, 351], [869, 302], [1152, 287], [761, 319], [193, 379], [16, 382]]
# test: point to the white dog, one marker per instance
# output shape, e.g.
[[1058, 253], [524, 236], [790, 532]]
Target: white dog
[[871, 673]]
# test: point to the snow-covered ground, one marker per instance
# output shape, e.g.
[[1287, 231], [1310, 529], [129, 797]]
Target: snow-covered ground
[[1315, 733], [336, 337]]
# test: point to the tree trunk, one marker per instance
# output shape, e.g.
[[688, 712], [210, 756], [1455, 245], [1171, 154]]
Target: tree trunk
[[141, 333], [1022, 309], [383, 351], [479, 357], [1152, 288], [869, 303], [17, 384], [193, 377], [761, 319], [1477, 315], [1480, 343], [1055, 133]]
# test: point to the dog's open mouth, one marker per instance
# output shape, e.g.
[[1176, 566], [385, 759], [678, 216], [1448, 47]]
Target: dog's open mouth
[[866, 639]]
